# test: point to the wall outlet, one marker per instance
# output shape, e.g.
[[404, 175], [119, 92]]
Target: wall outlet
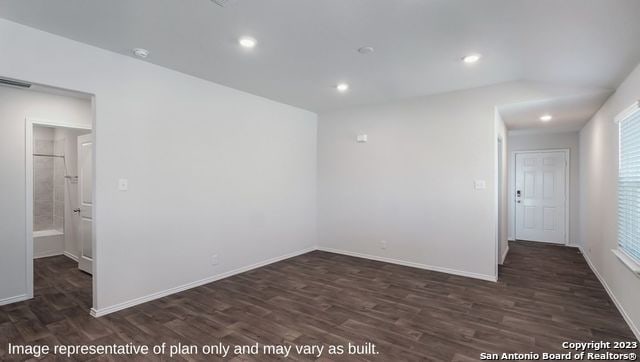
[[383, 244], [214, 259]]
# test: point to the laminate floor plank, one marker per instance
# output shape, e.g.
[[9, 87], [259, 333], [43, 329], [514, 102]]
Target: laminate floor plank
[[546, 295]]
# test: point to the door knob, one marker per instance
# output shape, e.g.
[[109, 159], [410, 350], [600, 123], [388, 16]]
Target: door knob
[[76, 211]]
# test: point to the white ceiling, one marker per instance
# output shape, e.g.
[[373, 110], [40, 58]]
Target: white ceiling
[[570, 113], [307, 46]]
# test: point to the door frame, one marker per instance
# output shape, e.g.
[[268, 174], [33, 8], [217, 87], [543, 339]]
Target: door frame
[[567, 188], [30, 122], [500, 170]]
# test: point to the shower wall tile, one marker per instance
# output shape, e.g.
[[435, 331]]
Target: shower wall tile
[[43, 185], [59, 171], [43, 207], [48, 185], [43, 146], [43, 190], [43, 223], [40, 177], [58, 200], [58, 209], [58, 146], [42, 163], [58, 223], [38, 225]]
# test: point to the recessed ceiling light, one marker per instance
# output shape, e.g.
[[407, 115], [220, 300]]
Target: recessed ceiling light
[[140, 53], [471, 58], [247, 42], [546, 118], [366, 50], [222, 3], [342, 87]]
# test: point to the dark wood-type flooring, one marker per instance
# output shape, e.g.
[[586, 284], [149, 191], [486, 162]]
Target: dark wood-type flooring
[[546, 295]]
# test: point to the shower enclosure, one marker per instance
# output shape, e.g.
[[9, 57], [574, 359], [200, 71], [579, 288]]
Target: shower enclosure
[[49, 193]]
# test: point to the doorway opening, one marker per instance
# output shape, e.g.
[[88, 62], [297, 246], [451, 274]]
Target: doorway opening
[[59, 195], [541, 195]]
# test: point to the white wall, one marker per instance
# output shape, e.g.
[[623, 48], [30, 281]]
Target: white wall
[[412, 184], [211, 170], [15, 106], [546, 141], [598, 199]]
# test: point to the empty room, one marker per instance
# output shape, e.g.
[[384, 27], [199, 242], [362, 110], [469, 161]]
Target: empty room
[[335, 180]]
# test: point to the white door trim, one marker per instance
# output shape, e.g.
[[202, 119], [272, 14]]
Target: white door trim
[[499, 172], [567, 181], [29, 123]]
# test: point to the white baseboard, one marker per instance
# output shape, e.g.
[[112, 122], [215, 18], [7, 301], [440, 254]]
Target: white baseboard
[[71, 256], [491, 278], [147, 298], [17, 298], [634, 328], [47, 254], [504, 254]]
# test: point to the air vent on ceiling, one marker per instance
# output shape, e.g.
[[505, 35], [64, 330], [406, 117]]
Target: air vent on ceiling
[[14, 83], [222, 2]]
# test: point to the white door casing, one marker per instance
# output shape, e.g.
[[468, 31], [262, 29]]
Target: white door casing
[[30, 122], [85, 198], [541, 202]]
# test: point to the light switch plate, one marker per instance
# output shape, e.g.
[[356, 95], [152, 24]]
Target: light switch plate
[[480, 184], [123, 184]]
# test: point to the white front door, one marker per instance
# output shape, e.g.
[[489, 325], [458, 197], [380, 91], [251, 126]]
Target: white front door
[[85, 196], [541, 196]]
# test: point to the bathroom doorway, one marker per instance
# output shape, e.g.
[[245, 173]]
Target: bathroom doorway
[[61, 197], [58, 136]]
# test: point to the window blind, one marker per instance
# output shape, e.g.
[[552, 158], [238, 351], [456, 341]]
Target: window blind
[[629, 185]]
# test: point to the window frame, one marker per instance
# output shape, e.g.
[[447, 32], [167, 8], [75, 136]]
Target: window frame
[[623, 255]]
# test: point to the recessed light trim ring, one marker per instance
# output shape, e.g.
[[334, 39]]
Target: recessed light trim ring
[[471, 58], [247, 42], [140, 52], [342, 87], [546, 118]]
